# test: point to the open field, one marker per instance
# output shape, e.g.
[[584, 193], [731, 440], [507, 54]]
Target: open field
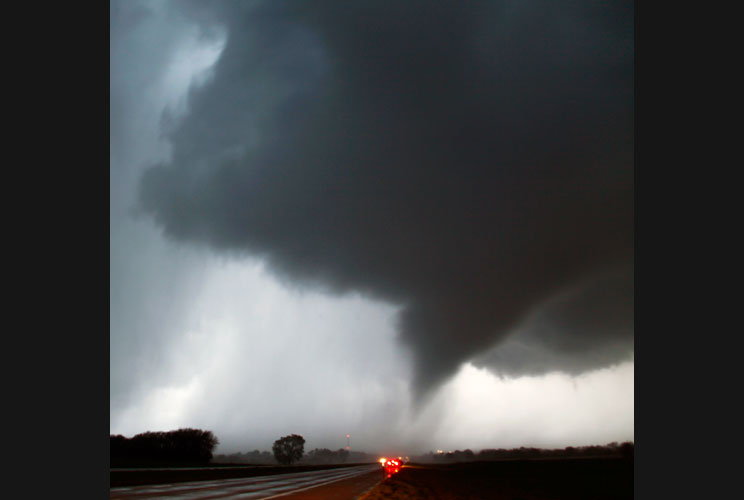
[[576, 479]]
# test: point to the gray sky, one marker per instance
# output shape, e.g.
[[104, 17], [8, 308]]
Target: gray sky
[[408, 222]]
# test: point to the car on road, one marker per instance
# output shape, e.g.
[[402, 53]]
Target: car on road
[[392, 466]]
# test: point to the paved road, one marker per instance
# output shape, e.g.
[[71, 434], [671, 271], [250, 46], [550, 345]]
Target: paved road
[[346, 483], [221, 467]]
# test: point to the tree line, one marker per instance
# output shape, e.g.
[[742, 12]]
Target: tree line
[[623, 450], [291, 449], [195, 447], [178, 447], [315, 456], [254, 457]]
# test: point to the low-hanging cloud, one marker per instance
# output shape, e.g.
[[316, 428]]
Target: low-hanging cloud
[[471, 162], [586, 327]]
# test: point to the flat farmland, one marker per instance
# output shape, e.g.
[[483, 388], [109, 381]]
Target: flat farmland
[[586, 478]]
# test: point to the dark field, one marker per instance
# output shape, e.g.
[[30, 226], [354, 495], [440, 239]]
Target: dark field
[[598, 478], [211, 472]]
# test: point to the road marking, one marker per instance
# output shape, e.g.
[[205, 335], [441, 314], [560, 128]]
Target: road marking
[[253, 487], [322, 484]]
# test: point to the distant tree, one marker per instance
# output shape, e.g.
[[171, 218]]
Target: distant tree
[[190, 444], [319, 456], [289, 449], [173, 447], [627, 450]]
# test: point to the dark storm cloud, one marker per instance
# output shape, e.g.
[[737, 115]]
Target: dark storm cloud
[[467, 160], [586, 327]]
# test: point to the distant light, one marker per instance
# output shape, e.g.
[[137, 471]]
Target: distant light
[[347, 436], [382, 461]]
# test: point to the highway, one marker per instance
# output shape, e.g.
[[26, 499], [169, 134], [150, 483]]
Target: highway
[[346, 483]]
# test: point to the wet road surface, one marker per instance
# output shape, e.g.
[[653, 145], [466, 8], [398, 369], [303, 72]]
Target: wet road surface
[[341, 484]]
